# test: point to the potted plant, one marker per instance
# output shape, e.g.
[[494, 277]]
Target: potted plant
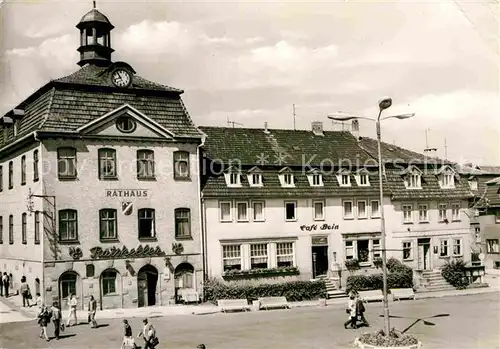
[[394, 340]]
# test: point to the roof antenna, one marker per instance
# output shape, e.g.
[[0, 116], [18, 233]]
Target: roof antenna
[[427, 149], [94, 3], [294, 117]]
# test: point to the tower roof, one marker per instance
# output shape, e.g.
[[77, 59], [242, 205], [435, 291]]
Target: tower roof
[[94, 16]]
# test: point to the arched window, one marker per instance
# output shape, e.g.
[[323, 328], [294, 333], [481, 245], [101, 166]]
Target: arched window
[[11, 175], [68, 225], [108, 282], [23, 170], [11, 229], [35, 166], [67, 284], [182, 223], [23, 229]]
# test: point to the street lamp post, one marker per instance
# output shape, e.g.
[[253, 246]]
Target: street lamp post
[[340, 116]]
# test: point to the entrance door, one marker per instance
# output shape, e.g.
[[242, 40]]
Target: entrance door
[[67, 286], [424, 254], [320, 260], [147, 279]]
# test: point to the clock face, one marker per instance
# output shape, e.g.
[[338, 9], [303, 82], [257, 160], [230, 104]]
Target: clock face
[[121, 78]]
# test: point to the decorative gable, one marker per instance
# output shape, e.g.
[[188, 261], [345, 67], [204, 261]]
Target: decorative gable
[[446, 176], [254, 176], [344, 178], [315, 178], [362, 178], [125, 121], [286, 177], [413, 177], [232, 175]]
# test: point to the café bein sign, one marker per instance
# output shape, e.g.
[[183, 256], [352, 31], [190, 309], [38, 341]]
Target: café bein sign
[[313, 227]]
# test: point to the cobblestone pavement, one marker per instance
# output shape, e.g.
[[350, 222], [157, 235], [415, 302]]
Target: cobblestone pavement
[[474, 323]]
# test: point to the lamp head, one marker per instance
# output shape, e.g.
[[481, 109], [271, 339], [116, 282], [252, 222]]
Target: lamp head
[[342, 116], [385, 103]]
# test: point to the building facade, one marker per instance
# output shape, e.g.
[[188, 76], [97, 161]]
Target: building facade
[[100, 185]]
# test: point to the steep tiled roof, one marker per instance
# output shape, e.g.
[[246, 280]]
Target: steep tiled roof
[[68, 103], [216, 187], [491, 169], [94, 75], [298, 147], [430, 187], [393, 153]]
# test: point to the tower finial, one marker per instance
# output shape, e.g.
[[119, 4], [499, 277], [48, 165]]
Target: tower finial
[[94, 3]]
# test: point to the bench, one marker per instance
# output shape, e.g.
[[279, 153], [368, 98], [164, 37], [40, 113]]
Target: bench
[[371, 296], [233, 304], [402, 293], [273, 302]]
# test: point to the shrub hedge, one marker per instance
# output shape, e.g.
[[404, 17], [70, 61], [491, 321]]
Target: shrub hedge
[[294, 291], [399, 276], [454, 273]]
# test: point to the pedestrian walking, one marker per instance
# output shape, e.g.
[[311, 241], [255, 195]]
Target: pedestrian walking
[[128, 339], [43, 319], [72, 303], [92, 311], [39, 301], [1, 284], [360, 311], [149, 334], [56, 319], [25, 292], [5, 279], [351, 312]]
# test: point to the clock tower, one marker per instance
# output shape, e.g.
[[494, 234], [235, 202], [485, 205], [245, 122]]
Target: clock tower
[[95, 39]]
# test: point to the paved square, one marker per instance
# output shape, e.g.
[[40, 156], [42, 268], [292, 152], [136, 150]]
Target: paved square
[[473, 323]]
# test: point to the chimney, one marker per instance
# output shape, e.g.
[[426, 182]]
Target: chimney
[[355, 128], [317, 128], [265, 127]]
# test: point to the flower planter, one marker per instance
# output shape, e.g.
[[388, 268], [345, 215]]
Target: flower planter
[[360, 345]]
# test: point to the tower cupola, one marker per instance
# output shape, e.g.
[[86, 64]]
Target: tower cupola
[[95, 39]]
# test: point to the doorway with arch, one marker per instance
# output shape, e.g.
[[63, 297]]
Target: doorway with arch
[[184, 281], [147, 281], [68, 282]]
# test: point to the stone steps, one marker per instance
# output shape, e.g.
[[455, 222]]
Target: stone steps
[[433, 281]]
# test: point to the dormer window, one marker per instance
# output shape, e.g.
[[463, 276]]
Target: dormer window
[[344, 179], [446, 177], [413, 178], [233, 178], [286, 178], [254, 177], [362, 179], [473, 184], [315, 179]]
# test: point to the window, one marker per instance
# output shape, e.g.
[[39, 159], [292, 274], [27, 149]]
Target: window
[[349, 249], [90, 270], [125, 124], [231, 257], [23, 170], [108, 224], [362, 179], [442, 208], [146, 223], [11, 175], [290, 211], [225, 211], [457, 247], [35, 166], [348, 214], [258, 211], [24, 238], [256, 179], [11, 229], [407, 251], [1, 178], [288, 179], [233, 179], [447, 180], [145, 164], [473, 185], [362, 209], [182, 223], [258, 256], [375, 207], [37, 228], [492, 245], [443, 251], [422, 213], [66, 163], [284, 254], [455, 212], [108, 279], [345, 180], [497, 217], [318, 208], [107, 164], [363, 250], [316, 180], [376, 252], [414, 181], [242, 211], [68, 225], [407, 213], [181, 165], [1, 230]]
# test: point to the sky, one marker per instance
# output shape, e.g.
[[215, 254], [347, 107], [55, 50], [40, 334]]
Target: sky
[[251, 61]]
